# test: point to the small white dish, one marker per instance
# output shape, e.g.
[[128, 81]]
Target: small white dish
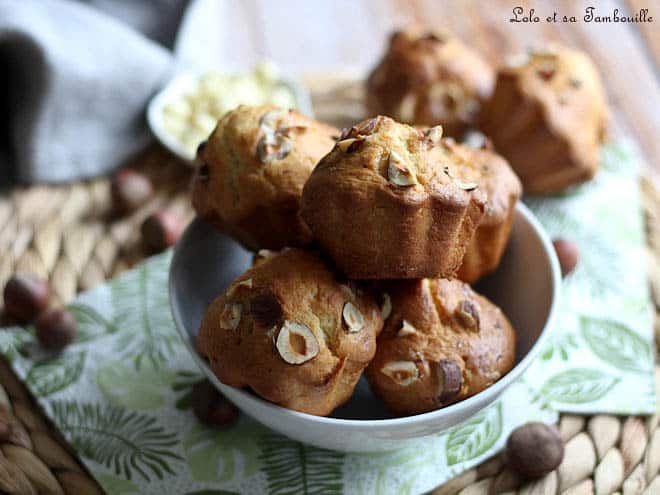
[[526, 286], [185, 82]]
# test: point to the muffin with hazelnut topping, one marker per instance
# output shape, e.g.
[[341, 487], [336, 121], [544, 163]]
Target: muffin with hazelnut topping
[[441, 343], [390, 201], [430, 78], [548, 116], [502, 188], [251, 172], [292, 332]]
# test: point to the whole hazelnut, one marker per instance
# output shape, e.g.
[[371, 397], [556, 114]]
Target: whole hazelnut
[[210, 406], [26, 296], [56, 328], [568, 255], [129, 190], [161, 230], [534, 449]]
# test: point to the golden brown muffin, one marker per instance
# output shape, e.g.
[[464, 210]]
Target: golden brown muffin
[[502, 188], [429, 78], [252, 170], [293, 333], [548, 116], [441, 343], [390, 201]]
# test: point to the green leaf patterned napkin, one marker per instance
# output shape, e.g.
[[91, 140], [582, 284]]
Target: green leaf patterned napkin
[[121, 393], [601, 355]]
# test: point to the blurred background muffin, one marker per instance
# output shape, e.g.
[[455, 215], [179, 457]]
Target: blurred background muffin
[[429, 78], [548, 117]]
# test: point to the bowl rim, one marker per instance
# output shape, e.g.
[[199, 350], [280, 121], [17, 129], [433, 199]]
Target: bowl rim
[[488, 395], [184, 80]]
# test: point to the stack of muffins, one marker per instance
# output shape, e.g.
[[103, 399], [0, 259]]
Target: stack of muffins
[[366, 240]]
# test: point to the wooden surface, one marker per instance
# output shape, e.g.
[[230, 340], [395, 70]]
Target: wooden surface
[[650, 32], [312, 35]]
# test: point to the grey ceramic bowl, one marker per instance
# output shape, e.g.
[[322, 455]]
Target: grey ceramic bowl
[[526, 287]]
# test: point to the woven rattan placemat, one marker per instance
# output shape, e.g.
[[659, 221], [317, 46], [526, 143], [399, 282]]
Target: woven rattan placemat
[[69, 235]]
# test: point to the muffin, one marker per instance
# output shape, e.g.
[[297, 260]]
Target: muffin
[[548, 117], [441, 343], [251, 173], [429, 78], [292, 332], [502, 189], [391, 201]]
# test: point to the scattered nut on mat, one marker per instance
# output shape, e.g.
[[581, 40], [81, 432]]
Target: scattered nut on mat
[[161, 230], [129, 190], [26, 296], [568, 255], [211, 407], [534, 449], [56, 328]]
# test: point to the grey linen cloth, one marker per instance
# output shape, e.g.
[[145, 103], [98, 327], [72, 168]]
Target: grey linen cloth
[[74, 82]]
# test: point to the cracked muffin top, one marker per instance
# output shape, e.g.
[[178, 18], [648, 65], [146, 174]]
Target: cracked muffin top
[[429, 78], [251, 172], [292, 331]]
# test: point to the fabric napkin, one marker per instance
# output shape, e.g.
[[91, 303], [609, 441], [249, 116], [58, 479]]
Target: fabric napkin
[[75, 81], [120, 394], [601, 358]]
